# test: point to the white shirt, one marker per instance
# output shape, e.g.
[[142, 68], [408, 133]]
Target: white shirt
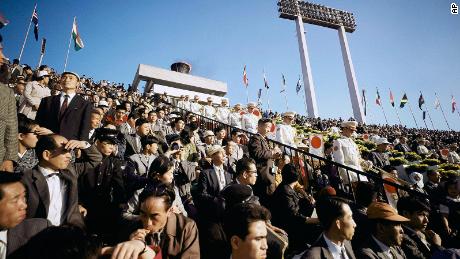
[[3, 242], [335, 249], [220, 176], [71, 96], [58, 193]]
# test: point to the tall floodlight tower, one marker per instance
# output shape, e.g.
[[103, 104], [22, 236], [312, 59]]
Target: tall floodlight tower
[[305, 12]]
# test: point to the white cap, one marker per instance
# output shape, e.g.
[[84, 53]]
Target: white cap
[[381, 141], [103, 103], [208, 133], [251, 104], [349, 124], [42, 73], [292, 114]]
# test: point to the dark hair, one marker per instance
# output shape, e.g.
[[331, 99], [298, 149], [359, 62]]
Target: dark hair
[[25, 124], [185, 136], [411, 205], [121, 107], [45, 143], [243, 165], [159, 190], [7, 178], [193, 126], [329, 209], [148, 140], [140, 121], [176, 120], [237, 220], [263, 121], [289, 173], [365, 193], [234, 132], [133, 115], [218, 128], [63, 242], [160, 166]]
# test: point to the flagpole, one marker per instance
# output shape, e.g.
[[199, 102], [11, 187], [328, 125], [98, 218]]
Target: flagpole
[[412, 113], [268, 100], [68, 48], [27, 33], [423, 111], [384, 114], [305, 103], [429, 117], [442, 111], [247, 94], [397, 115]]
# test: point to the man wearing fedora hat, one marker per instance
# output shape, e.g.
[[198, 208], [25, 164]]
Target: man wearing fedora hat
[[346, 152], [67, 114], [386, 233]]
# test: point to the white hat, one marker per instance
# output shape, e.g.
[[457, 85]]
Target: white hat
[[73, 73], [292, 114], [42, 73], [103, 103], [209, 99], [208, 133], [251, 104], [349, 124], [211, 150], [381, 141]]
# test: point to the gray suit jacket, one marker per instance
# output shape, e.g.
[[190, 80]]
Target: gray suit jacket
[[320, 250], [22, 233], [141, 163], [8, 125]]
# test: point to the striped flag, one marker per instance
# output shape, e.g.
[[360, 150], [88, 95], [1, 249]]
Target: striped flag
[[284, 84], [78, 42], [454, 104], [265, 81], [298, 86], [404, 100], [35, 21], [245, 77], [392, 99], [377, 99], [421, 101]]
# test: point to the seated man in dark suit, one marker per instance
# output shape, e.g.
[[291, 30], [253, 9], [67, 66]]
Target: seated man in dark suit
[[15, 232], [212, 181], [387, 233], [133, 141], [336, 218], [418, 242], [67, 114], [52, 191]]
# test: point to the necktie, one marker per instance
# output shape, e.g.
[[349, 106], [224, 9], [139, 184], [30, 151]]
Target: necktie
[[64, 105], [342, 253]]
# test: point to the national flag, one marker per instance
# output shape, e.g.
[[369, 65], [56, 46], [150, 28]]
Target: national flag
[[3, 21], [377, 99], [259, 93], [35, 21], [404, 100], [392, 99], [421, 101], [364, 101], [78, 42], [298, 86], [424, 115], [454, 104], [437, 104], [284, 84], [245, 77], [265, 81]]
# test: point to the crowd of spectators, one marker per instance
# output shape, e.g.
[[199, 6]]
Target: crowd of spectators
[[94, 170]]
